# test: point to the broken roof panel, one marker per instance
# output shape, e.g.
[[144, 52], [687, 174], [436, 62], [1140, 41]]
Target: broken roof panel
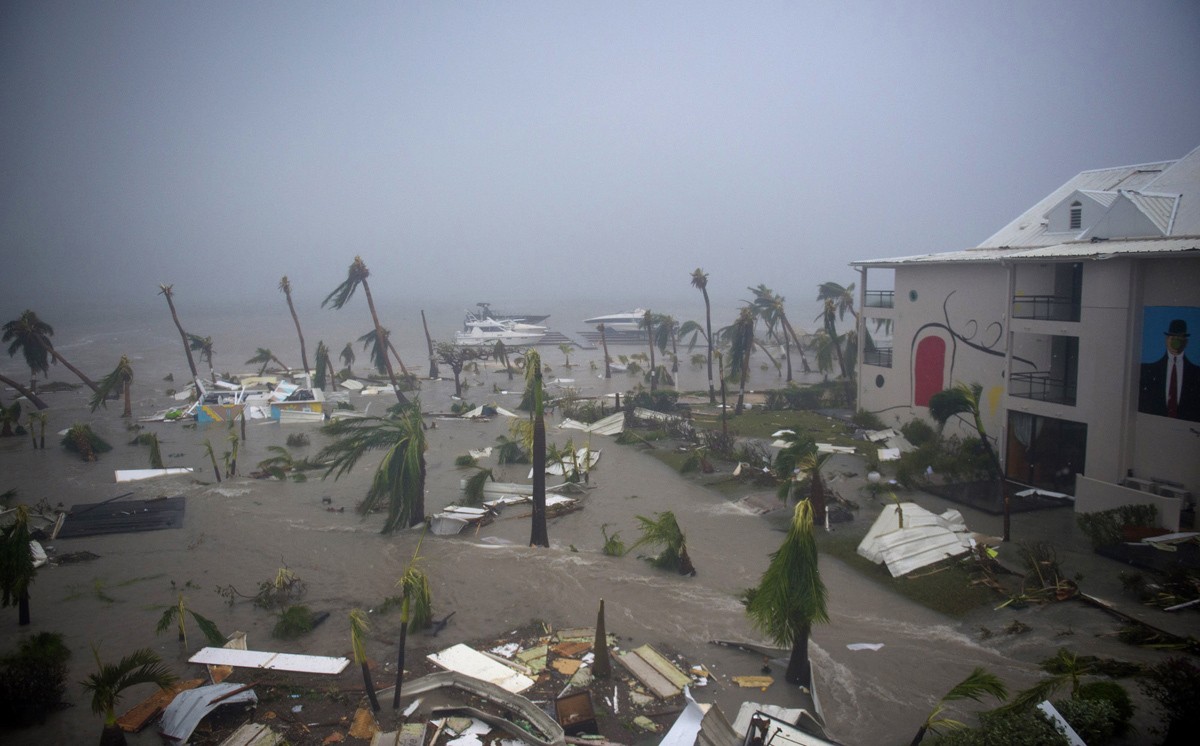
[[470, 662], [270, 661]]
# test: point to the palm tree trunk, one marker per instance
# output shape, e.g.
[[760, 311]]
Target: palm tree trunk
[[712, 392], [59, 358], [650, 336], [767, 352], [604, 344], [187, 348], [32, 397], [296, 320], [920, 735], [379, 336], [539, 537], [433, 366], [799, 347], [400, 664], [798, 670], [23, 610], [128, 404], [370, 687], [112, 735], [787, 353], [601, 667]]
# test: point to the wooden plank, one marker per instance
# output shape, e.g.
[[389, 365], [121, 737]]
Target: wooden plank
[[660, 685], [143, 712], [664, 666]]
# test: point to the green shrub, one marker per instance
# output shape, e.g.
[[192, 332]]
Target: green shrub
[[33, 680], [663, 400], [1104, 527], [294, 621], [1175, 685], [1114, 694], [867, 420], [918, 432], [1026, 727], [298, 440], [1095, 720], [793, 397], [464, 460]]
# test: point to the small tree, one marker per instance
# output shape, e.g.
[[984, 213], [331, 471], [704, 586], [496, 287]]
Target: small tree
[[177, 612], [416, 612], [664, 530], [978, 684], [359, 626], [961, 399], [16, 565], [120, 379], [139, 667], [790, 597]]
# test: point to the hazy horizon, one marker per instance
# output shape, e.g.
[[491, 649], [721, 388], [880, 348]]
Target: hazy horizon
[[517, 151]]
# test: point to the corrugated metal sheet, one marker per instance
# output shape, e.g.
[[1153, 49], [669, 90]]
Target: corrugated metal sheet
[[1158, 207]]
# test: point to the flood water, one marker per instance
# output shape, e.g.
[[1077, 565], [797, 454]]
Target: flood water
[[241, 531]]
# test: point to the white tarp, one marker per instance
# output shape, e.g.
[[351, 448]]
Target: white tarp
[[613, 424], [925, 538], [470, 662]]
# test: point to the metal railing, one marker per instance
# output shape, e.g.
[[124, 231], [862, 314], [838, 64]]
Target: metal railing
[[1042, 387], [879, 299], [878, 356], [1045, 308]]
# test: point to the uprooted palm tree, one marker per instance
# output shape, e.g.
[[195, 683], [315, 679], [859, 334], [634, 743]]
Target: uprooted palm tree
[[790, 598], [324, 374], [663, 530], [111, 679], [399, 481], [167, 291], [961, 400], [10, 417], [120, 379], [977, 685], [357, 276], [177, 613], [32, 397], [285, 287], [31, 336], [265, 357], [700, 282], [80, 439]]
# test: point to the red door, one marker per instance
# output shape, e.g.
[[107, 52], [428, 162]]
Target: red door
[[929, 370]]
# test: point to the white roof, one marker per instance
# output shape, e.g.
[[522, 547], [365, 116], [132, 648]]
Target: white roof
[[1073, 250]]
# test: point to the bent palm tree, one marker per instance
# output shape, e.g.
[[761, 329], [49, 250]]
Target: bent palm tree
[[399, 481], [979, 683], [416, 612], [357, 275], [740, 336], [961, 399], [32, 397], [121, 376], [700, 282], [31, 335], [266, 357], [790, 598], [139, 667], [324, 372], [167, 291], [664, 530], [177, 612], [648, 322], [285, 287]]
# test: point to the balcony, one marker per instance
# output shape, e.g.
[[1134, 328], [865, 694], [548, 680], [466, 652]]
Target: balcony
[[1045, 308], [878, 356], [880, 299], [1042, 387]]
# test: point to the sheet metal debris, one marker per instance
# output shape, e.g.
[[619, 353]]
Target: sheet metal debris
[[92, 519], [136, 475], [271, 661], [470, 662], [182, 716], [923, 539]]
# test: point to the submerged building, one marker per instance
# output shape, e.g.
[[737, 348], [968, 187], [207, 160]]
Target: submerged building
[[1076, 319]]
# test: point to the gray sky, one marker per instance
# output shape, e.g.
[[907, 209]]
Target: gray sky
[[511, 149]]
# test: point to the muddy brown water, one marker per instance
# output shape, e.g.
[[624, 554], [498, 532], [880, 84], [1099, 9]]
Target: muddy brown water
[[241, 531]]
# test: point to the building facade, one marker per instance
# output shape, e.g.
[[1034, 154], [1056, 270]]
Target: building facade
[[1076, 320]]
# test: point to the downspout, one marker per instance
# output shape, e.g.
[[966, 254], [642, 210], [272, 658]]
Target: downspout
[[1002, 439]]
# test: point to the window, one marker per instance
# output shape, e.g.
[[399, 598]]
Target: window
[[1076, 215]]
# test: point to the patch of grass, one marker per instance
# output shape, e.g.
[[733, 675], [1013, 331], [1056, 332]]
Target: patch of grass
[[948, 591], [757, 423]]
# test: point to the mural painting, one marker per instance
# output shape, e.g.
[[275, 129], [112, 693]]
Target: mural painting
[[1169, 383]]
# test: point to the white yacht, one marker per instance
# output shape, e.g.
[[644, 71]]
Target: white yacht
[[478, 331], [626, 321]]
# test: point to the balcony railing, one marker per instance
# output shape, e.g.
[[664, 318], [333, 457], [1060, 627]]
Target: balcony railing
[[1042, 387], [1045, 308], [878, 356], [880, 299]]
